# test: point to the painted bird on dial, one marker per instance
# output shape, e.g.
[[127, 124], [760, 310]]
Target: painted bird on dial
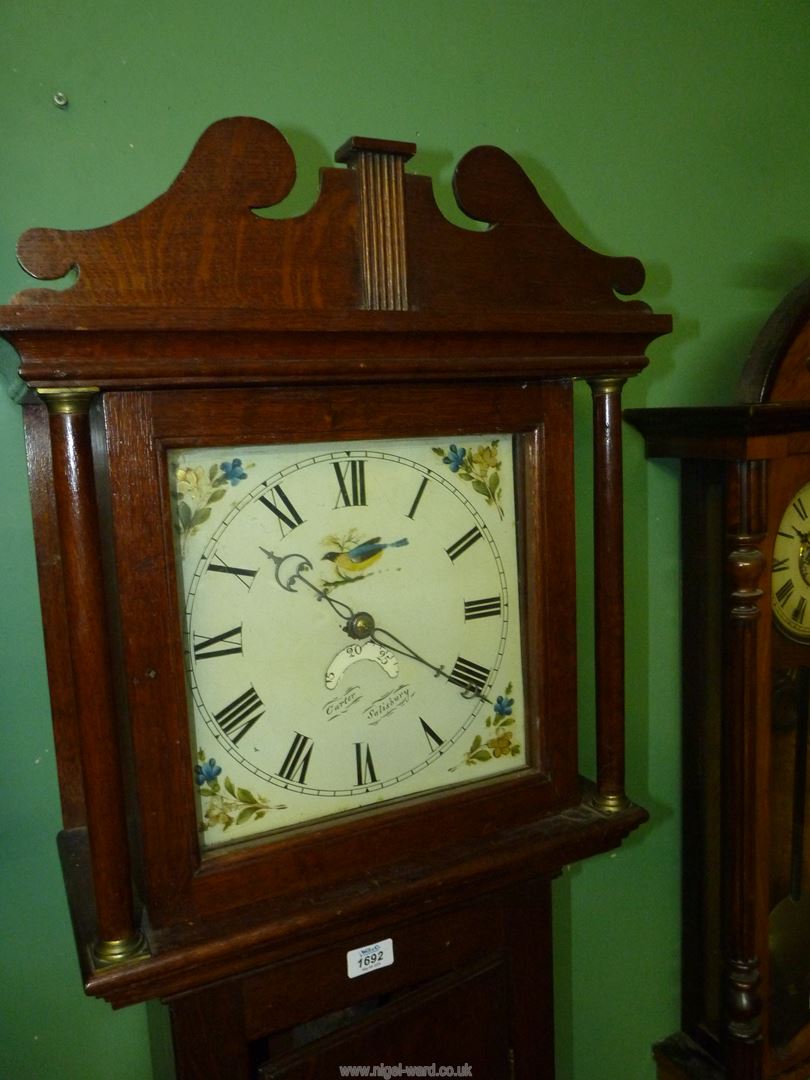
[[361, 556]]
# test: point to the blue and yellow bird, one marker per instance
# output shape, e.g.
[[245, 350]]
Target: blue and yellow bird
[[361, 556]]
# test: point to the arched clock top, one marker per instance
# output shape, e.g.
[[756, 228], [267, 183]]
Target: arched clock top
[[778, 365], [374, 240]]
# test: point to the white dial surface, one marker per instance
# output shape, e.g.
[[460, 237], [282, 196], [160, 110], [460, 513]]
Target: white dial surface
[[790, 572], [352, 624]]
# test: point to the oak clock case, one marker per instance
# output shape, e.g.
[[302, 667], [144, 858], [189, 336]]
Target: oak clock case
[[303, 497]]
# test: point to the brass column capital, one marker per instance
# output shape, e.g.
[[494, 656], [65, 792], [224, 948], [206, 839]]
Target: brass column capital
[[68, 400], [607, 384]]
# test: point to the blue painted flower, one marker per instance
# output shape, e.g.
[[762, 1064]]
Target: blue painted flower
[[455, 457], [503, 706], [233, 471], [207, 772]]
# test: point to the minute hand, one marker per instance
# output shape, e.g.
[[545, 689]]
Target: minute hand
[[390, 641]]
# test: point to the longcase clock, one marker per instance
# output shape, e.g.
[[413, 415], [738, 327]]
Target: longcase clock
[[304, 506], [746, 698]]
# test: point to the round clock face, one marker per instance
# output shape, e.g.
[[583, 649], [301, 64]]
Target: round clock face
[[352, 624], [790, 573]]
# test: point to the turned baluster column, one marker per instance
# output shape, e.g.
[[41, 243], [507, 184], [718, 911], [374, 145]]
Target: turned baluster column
[[118, 936], [745, 564], [608, 540]]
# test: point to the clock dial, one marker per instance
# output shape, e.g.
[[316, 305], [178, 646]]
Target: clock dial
[[790, 572], [352, 625]]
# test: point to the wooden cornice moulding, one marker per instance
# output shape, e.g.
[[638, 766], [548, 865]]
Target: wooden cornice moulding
[[375, 240]]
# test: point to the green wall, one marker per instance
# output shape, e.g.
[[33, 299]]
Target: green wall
[[673, 131]]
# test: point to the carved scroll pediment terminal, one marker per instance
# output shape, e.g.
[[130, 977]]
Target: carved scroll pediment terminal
[[200, 244]]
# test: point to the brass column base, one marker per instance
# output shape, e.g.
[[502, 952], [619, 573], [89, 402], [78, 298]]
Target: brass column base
[[610, 804], [120, 951]]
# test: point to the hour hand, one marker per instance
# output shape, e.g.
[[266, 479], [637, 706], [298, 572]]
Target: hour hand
[[290, 569]]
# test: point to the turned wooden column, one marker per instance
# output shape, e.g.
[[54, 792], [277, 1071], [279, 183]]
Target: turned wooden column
[[745, 511], [118, 937], [608, 541]]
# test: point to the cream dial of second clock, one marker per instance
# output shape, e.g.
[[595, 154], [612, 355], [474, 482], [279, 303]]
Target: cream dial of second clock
[[790, 572], [352, 625]]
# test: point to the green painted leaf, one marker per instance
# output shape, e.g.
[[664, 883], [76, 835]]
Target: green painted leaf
[[482, 755], [515, 749], [246, 796], [212, 472], [220, 480], [184, 515], [438, 451], [244, 815], [203, 514], [215, 496], [475, 743], [229, 786], [480, 487], [494, 482]]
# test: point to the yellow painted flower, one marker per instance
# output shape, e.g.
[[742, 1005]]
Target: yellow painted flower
[[217, 815], [486, 457], [190, 481], [501, 745]]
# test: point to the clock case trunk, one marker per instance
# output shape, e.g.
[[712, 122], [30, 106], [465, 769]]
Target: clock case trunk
[[197, 322], [746, 814]]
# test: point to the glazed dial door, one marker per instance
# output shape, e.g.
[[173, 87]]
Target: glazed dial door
[[790, 579], [352, 625]]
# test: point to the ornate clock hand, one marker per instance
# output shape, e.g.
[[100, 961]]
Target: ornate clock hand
[[390, 641], [360, 625], [302, 563]]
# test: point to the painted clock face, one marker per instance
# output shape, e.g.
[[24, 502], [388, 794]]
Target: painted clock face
[[351, 623], [790, 572]]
